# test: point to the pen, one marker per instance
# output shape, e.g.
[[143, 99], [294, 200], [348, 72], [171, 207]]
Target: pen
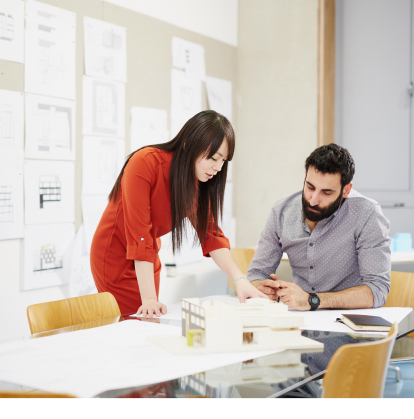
[[268, 276]]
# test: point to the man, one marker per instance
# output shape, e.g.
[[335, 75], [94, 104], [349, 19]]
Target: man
[[336, 239]]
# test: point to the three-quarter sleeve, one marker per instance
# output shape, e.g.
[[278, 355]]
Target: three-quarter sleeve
[[213, 240], [374, 256], [137, 180]]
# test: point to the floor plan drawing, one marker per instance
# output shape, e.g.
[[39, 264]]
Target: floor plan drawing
[[6, 27], [6, 203], [6, 124], [50, 50], [49, 191], [105, 50], [103, 108], [50, 128], [12, 30], [102, 161]]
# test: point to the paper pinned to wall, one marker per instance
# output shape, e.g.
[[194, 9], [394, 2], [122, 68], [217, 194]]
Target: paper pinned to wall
[[93, 207], [50, 128], [11, 165], [102, 162], [219, 94], [50, 50], [190, 57], [186, 99], [105, 50], [49, 192], [103, 108], [80, 277], [148, 126], [46, 255], [12, 30]]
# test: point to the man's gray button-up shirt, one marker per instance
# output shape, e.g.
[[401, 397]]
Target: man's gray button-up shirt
[[350, 248]]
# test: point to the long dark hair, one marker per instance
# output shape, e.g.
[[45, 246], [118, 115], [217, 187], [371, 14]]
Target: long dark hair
[[200, 202]]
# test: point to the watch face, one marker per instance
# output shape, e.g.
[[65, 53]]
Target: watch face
[[315, 300]]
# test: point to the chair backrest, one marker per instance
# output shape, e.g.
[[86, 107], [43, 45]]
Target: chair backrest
[[402, 291], [33, 395], [243, 258], [359, 370], [71, 311]]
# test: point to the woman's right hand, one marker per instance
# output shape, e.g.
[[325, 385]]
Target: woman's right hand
[[150, 307]]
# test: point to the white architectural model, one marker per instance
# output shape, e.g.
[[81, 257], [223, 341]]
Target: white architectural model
[[222, 326]]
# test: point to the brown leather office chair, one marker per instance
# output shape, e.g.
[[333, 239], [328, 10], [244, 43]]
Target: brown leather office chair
[[359, 370], [71, 311]]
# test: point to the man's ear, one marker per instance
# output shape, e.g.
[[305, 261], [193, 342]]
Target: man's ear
[[347, 190]]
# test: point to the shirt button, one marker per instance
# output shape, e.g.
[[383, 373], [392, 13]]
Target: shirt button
[[313, 288], [142, 239], [310, 244], [311, 267]]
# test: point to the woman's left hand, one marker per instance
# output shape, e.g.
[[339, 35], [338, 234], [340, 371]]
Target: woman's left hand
[[245, 289]]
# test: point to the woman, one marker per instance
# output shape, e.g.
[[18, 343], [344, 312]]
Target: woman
[[158, 189]]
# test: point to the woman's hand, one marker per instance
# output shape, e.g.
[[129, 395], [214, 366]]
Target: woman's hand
[[152, 306], [245, 289]]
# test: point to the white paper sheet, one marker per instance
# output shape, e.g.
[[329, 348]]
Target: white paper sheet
[[11, 165], [102, 162], [105, 50], [189, 57], [88, 362], [93, 207], [12, 30], [103, 108], [45, 255], [80, 276], [185, 99], [49, 192], [148, 126], [50, 50], [219, 94], [50, 128]]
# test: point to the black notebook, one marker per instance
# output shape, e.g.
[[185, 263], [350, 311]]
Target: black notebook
[[360, 322]]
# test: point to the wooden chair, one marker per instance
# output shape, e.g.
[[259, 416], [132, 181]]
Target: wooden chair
[[243, 258], [71, 311], [359, 370], [402, 291]]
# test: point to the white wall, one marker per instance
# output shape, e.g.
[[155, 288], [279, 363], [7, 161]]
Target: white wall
[[277, 106], [216, 19]]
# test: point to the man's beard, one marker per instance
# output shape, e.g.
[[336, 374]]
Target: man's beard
[[322, 212]]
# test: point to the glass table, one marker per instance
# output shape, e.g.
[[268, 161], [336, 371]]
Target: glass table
[[291, 373]]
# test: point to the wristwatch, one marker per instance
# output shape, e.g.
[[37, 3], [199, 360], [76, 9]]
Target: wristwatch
[[314, 301]]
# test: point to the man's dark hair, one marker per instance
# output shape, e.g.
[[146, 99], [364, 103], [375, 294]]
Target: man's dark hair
[[332, 158]]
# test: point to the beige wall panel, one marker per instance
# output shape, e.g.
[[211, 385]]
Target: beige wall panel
[[11, 76], [277, 106]]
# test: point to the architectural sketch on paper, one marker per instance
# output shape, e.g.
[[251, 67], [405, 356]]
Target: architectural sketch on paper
[[50, 59], [6, 124], [47, 258], [107, 161], [187, 96], [49, 191], [6, 27], [105, 107], [54, 127], [6, 203], [223, 326]]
